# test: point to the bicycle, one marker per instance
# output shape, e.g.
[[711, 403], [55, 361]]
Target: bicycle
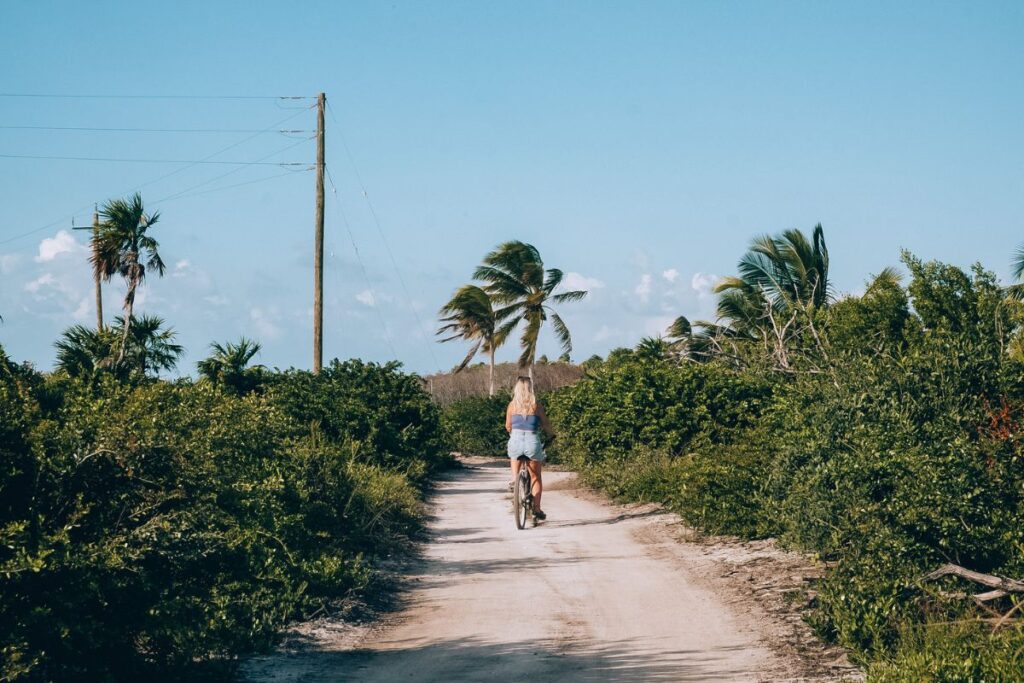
[[522, 494]]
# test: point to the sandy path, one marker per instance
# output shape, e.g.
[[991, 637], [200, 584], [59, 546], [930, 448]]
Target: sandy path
[[586, 596]]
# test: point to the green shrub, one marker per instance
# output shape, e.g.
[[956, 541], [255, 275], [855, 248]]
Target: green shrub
[[150, 529], [892, 447], [642, 403], [959, 653], [476, 425], [384, 412]]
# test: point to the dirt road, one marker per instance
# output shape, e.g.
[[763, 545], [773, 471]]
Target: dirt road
[[596, 593]]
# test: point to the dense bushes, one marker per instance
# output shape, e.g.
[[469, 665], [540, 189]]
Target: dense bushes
[[148, 529], [476, 425], [894, 448], [657, 405], [383, 413]]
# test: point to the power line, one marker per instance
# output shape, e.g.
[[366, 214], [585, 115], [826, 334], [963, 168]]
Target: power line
[[155, 161], [181, 193], [148, 130], [184, 195], [387, 247], [157, 97], [362, 266], [162, 177]]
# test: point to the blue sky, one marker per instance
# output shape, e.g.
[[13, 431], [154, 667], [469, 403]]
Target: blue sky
[[639, 146]]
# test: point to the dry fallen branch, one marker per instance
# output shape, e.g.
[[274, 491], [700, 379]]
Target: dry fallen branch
[[1000, 585]]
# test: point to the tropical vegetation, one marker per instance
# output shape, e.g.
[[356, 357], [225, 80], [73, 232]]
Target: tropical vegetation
[[517, 290], [879, 432], [156, 529], [123, 246]]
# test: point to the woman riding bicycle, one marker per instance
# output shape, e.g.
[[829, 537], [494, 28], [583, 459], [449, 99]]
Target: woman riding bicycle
[[524, 418]]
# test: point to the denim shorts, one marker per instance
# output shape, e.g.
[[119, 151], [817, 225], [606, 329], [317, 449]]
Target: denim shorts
[[523, 442]]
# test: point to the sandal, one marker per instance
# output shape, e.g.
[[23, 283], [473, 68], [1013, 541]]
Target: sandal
[[539, 515]]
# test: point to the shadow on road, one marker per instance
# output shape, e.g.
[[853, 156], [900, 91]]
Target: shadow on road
[[475, 660], [606, 520]]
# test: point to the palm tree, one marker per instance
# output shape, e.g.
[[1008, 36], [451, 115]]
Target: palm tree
[[653, 348], [470, 316], [150, 346], [85, 351], [228, 365], [1016, 290], [777, 275], [516, 278], [124, 248]]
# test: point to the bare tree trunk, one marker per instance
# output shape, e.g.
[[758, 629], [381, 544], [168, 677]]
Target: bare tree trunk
[[490, 390], [129, 307]]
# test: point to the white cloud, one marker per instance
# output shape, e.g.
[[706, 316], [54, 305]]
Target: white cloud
[[265, 327], [60, 294], [575, 281], [671, 274], [181, 268], [370, 297], [604, 333], [703, 284], [8, 262], [42, 281], [216, 300], [643, 289], [83, 310], [61, 243]]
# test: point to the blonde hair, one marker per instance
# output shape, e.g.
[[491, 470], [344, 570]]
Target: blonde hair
[[523, 400]]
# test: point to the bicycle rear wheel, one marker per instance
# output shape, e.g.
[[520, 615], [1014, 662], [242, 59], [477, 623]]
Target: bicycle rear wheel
[[521, 498]]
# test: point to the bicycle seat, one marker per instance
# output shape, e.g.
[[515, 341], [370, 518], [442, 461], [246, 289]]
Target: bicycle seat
[[523, 458]]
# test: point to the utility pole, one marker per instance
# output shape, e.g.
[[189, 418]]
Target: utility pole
[[95, 272], [95, 268], [318, 249]]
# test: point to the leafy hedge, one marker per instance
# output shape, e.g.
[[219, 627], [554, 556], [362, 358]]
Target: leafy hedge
[[476, 424], [900, 450], [147, 530]]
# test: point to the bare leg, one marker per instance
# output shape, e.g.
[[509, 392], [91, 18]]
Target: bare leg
[[538, 487], [515, 468]]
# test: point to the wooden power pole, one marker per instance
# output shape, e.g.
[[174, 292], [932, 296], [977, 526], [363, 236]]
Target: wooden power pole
[[318, 249], [95, 272]]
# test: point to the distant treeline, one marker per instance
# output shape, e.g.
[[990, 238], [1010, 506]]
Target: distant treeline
[[449, 387]]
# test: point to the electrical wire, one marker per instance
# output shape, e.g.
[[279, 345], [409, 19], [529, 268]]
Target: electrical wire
[[237, 184], [359, 259], [148, 130], [387, 247], [155, 161], [158, 97], [162, 177], [232, 171]]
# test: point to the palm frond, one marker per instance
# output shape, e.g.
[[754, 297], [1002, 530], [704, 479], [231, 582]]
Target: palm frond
[[1017, 265], [566, 297], [562, 331], [501, 285], [553, 279], [887, 277], [529, 340], [680, 328], [469, 356]]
